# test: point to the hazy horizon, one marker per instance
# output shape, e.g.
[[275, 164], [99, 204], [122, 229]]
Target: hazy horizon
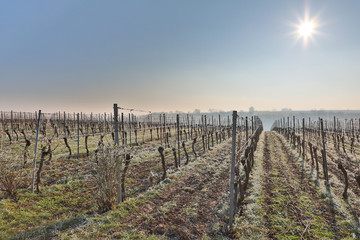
[[162, 56], [195, 111]]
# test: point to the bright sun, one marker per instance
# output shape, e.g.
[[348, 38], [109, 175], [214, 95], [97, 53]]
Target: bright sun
[[306, 29]]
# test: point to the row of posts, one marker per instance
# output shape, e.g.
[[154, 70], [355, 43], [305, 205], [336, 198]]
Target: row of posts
[[351, 126], [117, 141], [233, 157], [36, 144], [281, 124], [38, 120]]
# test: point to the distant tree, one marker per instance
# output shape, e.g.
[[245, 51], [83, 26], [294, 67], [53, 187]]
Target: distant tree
[[197, 111], [251, 109]]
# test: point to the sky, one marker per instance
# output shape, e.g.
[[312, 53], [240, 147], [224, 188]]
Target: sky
[[161, 55]]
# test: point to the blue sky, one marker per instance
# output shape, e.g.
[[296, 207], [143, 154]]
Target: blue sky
[[177, 55]]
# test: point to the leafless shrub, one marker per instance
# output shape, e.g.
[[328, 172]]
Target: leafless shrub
[[11, 174], [106, 164]]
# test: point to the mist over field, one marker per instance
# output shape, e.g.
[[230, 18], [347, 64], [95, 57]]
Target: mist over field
[[269, 117]]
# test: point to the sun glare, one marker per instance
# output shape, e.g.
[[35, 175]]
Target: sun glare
[[306, 28]]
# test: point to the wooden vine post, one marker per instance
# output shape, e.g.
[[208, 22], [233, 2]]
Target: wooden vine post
[[64, 124], [36, 143], [78, 134], [129, 125], [303, 133], [252, 125], [232, 171], [11, 123], [160, 130], [164, 128], [288, 128], [246, 128], [118, 163], [178, 135], [324, 151], [123, 129], [219, 122], [116, 124], [294, 133]]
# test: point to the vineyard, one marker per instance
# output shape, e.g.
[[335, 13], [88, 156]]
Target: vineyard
[[177, 176]]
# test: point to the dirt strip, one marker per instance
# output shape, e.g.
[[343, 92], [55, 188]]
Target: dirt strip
[[290, 206]]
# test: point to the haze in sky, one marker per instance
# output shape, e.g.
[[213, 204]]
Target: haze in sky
[[179, 55]]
